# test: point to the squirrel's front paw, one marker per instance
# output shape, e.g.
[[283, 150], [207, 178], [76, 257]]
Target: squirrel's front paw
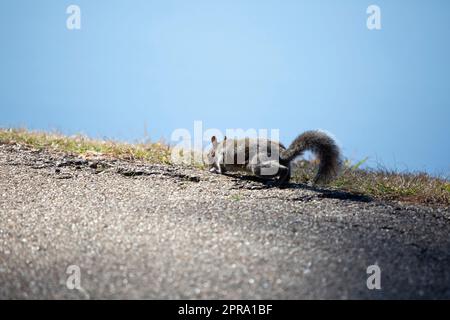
[[213, 170]]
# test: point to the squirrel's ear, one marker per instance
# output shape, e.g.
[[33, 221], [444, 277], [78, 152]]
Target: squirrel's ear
[[214, 140]]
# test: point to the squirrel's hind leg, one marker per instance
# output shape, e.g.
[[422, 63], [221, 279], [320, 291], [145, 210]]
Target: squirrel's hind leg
[[271, 169], [284, 176]]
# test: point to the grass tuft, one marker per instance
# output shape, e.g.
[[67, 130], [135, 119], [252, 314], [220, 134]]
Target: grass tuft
[[383, 184]]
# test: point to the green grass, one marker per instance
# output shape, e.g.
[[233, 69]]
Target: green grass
[[383, 184], [236, 197], [378, 184]]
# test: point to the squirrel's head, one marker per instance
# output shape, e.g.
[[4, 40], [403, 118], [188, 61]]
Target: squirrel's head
[[212, 154]]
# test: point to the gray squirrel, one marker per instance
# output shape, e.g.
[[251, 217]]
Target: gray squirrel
[[271, 160]]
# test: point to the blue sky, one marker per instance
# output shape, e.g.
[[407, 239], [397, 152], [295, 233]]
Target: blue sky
[[289, 65]]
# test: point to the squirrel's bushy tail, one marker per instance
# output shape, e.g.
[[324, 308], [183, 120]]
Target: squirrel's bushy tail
[[325, 149]]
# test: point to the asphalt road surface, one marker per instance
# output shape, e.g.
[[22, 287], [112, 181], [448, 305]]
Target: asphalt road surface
[[142, 231]]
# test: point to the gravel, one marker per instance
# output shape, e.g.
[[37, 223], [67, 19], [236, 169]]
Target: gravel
[[143, 231]]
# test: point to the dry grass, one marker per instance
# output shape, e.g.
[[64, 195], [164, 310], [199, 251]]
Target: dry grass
[[379, 184], [384, 184], [81, 145]]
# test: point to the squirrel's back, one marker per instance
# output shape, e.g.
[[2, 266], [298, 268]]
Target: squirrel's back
[[238, 153]]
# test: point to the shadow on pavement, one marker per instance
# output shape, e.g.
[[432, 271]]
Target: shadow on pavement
[[256, 183]]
